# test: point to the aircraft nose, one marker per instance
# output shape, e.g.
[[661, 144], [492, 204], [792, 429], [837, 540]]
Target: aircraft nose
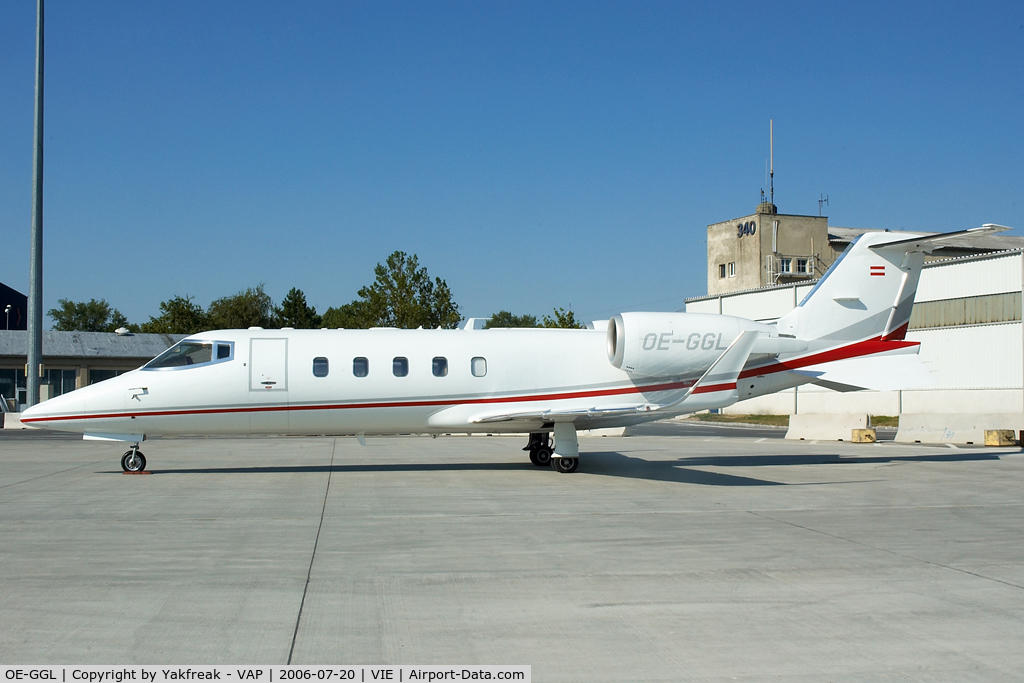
[[53, 413]]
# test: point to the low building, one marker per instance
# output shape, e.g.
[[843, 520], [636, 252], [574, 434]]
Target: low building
[[73, 359]]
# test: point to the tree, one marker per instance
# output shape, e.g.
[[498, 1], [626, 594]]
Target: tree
[[178, 315], [351, 316], [563, 318], [249, 308], [90, 316], [294, 312], [506, 319], [402, 295]]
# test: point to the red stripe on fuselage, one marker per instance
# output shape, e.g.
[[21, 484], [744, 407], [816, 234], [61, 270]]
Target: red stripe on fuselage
[[861, 348]]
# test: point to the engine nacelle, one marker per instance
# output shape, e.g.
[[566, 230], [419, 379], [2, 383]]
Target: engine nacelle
[[672, 344]]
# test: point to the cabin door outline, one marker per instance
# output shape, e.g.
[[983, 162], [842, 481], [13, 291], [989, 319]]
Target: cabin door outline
[[268, 365]]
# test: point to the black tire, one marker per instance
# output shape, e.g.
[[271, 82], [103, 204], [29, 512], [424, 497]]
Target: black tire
[[133, 464], [541, 457], [565, 465]]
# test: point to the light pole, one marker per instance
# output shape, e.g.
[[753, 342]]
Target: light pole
[[8, 312], [35, 287]]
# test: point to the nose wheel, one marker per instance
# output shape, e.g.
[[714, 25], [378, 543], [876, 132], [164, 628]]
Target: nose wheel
[[133, 460]]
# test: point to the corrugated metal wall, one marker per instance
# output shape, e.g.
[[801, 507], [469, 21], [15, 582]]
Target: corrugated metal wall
[[973, 357], [974, 310], [703, 306], [765, 304], [964, 278]]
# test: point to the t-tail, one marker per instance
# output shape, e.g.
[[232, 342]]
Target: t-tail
[[861, 308], [868, 293]]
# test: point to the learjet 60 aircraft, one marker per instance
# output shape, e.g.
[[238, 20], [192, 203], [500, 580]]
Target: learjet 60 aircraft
[[847, 334]]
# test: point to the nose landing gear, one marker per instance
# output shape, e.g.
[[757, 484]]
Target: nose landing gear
[[133, 460]]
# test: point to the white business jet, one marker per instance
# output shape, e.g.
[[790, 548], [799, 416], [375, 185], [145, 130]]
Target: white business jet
[[847, 334]]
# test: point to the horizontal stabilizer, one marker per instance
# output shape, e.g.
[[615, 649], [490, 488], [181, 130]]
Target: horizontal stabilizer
[[878, 373], [928, 242]]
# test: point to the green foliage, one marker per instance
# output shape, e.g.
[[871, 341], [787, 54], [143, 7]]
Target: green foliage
[[249, 308], [90, 316], [351, 316], [506, 319], [178, 315], [295, 312], [563, 318], [402, 295]]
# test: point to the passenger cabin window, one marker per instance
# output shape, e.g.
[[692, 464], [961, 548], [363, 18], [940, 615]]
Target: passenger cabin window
[[183, 354], [400, 366], [439, 366], [360, 367], [479, 366], [320, 367]]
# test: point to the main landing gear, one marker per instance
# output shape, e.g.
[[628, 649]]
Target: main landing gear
[[540, 449], [133, 460], [564, 458]]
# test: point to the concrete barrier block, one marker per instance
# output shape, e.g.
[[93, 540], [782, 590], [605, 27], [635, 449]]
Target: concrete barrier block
[[999, 437], [825, 427], [962, 428], [13, 421], [864, 435]]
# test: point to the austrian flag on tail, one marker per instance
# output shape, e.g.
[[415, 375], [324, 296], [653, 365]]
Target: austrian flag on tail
[[878, 270]]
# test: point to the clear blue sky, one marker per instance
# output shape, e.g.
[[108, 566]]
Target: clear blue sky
[[531, 154]]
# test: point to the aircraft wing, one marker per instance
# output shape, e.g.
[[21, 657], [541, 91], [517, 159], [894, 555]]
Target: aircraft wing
[[567, 415]]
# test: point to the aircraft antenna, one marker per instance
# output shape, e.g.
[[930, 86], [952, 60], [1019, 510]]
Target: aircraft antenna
[[771, 153]]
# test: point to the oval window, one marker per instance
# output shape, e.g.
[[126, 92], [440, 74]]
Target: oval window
[[320, 367], [479, 366], [360, 367], [400, 366], [439, 366]]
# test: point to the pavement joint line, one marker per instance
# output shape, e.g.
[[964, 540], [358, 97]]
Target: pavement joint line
[[891, 552], [312, 557], [50, 474], [696, 511]]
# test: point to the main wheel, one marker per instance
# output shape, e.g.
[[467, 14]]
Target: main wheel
[[133, 461], [565, 465], [541, 457]]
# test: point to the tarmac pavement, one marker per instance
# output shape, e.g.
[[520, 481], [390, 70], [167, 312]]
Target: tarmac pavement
[[664, 558]]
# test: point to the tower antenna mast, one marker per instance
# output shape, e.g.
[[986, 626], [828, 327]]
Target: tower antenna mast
[[771, 153]]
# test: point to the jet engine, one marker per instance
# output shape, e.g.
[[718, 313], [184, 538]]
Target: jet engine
[[672, 344]]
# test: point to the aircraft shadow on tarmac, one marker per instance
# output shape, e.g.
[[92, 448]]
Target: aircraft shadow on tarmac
[[615, 464], [619, 465]]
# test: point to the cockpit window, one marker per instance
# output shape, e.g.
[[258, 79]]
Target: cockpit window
[[191, 353]]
